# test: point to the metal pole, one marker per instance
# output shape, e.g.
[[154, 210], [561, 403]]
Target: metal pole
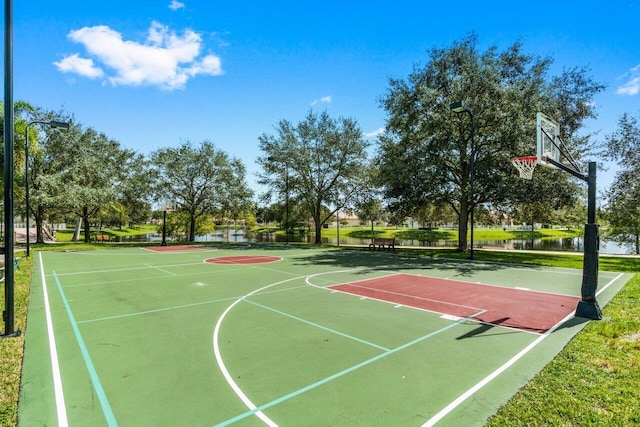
[[338, 226], [164, 228], [588, 307], [472, 177], [286, 203], [8, 314], [26, 183]]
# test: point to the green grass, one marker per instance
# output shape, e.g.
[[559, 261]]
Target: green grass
[[65, 236], [437, 234], [11, 349], [431, 235], [593, 381]]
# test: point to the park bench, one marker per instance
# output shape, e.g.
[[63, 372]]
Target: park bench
[[103, 238], [381, 243]]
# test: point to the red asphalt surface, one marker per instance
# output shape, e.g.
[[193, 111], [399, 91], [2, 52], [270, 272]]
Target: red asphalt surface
[[527, 310]]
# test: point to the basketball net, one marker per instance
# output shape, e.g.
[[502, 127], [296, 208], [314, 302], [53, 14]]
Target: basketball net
[[525, 165]]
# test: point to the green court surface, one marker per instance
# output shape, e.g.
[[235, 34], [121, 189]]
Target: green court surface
[[274, 335]]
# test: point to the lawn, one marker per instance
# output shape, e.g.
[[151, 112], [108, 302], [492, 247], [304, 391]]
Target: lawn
[[66, 235], [594, 380], [438, 234]]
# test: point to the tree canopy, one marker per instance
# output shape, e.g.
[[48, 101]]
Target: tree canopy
[[320, 162], [89, 166], [201, 179], [623, 197], [425, 155]]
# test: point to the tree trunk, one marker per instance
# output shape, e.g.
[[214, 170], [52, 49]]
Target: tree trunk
[[318, 227], [192, 228], [463, 224], [76, 232], [39, 224], [87, 226], [373, 233]]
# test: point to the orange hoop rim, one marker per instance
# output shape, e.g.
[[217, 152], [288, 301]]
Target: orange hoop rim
[[526, 158]]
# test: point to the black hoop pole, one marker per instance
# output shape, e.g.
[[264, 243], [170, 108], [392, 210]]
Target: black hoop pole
[[588, 306], [164, 228], [8, 315]]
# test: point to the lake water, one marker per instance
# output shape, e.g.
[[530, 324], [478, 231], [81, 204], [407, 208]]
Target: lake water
[[574, 244]]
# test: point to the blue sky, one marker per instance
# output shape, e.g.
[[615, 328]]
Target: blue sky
[[151, 74]]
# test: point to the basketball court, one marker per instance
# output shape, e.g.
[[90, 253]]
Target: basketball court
[[279, 335]]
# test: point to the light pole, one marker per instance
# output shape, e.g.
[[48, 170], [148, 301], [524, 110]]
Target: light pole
[[286, 202], [8, 137], [286, 197], [460, 107], [338, 226], [53, 124], [164, 228]]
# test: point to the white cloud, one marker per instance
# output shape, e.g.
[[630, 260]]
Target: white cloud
[[632, 87], [175, 5], [165, 59], [81, 66], [324, 99], [375, 133]]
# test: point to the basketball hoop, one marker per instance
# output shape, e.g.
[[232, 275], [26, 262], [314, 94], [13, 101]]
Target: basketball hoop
[[525, 165], [168, 205]]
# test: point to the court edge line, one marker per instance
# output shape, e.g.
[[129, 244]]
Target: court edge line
[[61, 409], [450, 407], [97, 385], [345, 371]]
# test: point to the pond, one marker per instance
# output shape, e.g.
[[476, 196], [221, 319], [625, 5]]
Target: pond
[[571, 244]]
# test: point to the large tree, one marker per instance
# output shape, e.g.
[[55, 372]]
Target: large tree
[[45, 182], [320, 162], [623, 198], [90, 166], [134, 188], [199, 179], [238, 202], [74, 171], [426, 153]]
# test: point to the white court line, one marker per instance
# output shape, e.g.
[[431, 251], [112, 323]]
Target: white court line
[[160, 269], [116, 270], [453, 405], [55, 366], [228, 377]]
